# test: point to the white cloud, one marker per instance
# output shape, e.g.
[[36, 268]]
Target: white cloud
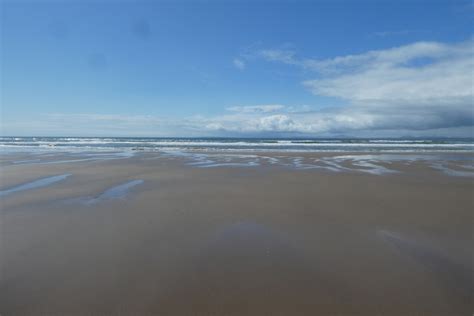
[[239, 63], [413, 89], [418, 73], [278, 55], [420, 86]]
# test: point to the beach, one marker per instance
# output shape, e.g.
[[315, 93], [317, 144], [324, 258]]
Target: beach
[[236, 158], [240, 233]]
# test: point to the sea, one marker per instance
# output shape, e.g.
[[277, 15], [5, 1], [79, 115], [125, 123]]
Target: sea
[[8, 144]]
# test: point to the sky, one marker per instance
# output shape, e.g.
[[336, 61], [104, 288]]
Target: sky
[[237, 68]]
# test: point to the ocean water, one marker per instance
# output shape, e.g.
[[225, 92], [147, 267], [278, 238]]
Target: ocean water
[[235, 144]]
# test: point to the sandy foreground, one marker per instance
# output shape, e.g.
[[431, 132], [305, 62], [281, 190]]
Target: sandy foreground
[[232, 240]]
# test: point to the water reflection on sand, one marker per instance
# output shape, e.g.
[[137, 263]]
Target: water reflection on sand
[[116, 192], [34, 184], [455, 275]]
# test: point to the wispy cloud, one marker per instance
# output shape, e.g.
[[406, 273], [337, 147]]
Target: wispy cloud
[[239, 63], [87, 124], [279, 55], [398, 33], [104, 118]]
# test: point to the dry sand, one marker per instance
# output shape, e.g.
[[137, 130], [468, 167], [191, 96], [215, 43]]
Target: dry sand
[[235, 241]]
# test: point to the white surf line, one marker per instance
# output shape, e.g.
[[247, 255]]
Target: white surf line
[[116, 192], [35, 184]]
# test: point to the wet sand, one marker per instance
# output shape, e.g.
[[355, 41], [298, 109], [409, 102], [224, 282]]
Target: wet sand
[[165, 237]]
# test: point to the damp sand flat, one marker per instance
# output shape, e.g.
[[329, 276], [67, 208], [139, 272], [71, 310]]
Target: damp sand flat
[[459, 276], [235, 241]]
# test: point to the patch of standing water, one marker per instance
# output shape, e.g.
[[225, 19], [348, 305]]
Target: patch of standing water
[[116, 192], [34, 184]]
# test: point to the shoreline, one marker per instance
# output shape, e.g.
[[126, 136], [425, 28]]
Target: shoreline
[[452, 164]]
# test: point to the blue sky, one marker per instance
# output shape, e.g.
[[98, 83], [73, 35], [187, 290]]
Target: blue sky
[[237, 68]]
